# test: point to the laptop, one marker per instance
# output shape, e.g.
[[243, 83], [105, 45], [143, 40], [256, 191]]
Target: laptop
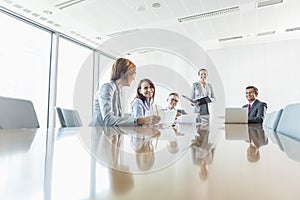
[[236, 116]]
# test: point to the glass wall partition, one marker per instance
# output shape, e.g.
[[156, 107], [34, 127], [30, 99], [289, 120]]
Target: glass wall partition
[[24, 63], [75, 79]]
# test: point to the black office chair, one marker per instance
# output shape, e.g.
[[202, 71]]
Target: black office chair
[[68, 118], [17, 113]]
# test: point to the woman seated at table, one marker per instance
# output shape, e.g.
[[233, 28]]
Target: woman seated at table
[[107, 102], [142, 103]]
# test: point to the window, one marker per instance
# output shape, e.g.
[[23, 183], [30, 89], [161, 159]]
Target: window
[[75, 79], [24, 63]]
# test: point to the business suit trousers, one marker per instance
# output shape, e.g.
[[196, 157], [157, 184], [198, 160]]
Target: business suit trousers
[[202, 119]]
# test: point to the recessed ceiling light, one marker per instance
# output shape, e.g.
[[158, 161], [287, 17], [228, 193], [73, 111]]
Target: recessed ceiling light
[[48, 12], [156, 5], [141, 8]]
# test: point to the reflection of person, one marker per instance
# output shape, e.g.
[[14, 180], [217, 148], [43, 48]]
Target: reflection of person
[[257, 138], [173, 146], [143, 146], [256, 109], [120, 181], [202, 89], [202, 151], [107, 103], [142, 103]]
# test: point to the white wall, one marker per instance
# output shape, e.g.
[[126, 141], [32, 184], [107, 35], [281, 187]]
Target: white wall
[[273, 67]]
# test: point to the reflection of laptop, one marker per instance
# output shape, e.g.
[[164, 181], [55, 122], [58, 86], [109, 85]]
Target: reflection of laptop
[[236, 132], [167, 116], [236, 116]]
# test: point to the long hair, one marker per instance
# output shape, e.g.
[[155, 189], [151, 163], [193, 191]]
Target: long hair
[[141, 96], [121, 67]]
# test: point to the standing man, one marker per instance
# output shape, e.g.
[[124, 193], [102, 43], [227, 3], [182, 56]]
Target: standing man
[[256, 109]]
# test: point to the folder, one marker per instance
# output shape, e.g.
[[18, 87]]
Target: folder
[[201, 101]]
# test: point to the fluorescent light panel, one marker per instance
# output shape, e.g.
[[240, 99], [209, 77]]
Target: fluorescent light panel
[[67, 4], [209, 14], [261, 4], [123, 32], [266, 33], [230, 38], [292, 29]]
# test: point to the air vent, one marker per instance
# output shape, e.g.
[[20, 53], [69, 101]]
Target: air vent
[[18, 6], [209, 14], [292, 29], [264, 3], [43, 18], [27, 10], [145, 51], [230, 38], [266, 33], [50, 22], [116, 34], [35, 14], [7, 1], [67, 4]]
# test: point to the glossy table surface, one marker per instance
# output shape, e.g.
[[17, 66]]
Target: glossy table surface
[[187, 161]]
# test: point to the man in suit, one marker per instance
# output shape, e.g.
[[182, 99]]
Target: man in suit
[[256, 108], [257, 139]]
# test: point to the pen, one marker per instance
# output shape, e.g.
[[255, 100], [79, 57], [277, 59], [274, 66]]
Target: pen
[[156, 110]]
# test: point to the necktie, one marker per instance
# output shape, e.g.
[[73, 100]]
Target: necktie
[[249, 107]]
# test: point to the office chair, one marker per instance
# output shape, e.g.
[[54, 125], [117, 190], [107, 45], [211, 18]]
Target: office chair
[[272, 119], [68, 118], [289, 122], [17, 113]]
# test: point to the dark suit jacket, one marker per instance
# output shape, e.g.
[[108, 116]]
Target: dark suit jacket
[[257, 112], [257, 135]]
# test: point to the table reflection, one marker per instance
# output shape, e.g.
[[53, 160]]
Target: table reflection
[[257, 139], [254, 134], [202, 150], [139, 149]]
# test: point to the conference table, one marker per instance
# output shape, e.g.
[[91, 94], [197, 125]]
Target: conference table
[[185, 161]]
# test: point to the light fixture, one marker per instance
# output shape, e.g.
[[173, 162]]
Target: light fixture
[[209, 14], [263, 3], [156, 5], [230, 38], [266, 33], [48, 12]]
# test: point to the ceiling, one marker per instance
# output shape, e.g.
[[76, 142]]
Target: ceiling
[[95, 21]]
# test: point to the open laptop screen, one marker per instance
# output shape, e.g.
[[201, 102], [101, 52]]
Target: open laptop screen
[[236, 116]]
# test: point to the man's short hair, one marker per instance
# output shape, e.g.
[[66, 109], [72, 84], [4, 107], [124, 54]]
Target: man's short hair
[[174, 93], [254, 88]]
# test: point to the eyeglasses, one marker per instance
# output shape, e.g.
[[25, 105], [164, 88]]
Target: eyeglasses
[[174, 100]]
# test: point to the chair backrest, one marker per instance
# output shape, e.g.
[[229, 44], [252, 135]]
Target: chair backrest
[[272, 119], [17, 113], [68, 118], [290, 146], [289, 122]]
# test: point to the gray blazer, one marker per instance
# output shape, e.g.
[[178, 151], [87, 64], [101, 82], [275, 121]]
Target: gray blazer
[[196, 94], [257, 112], [108, 110]]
